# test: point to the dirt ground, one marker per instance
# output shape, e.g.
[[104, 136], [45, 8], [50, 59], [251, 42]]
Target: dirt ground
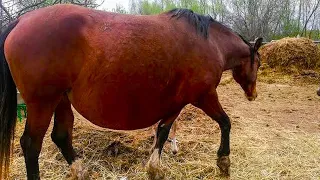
[[275, 137]]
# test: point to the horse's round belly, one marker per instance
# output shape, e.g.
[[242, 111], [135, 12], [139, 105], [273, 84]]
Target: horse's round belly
[[128, 90], [119, 107]]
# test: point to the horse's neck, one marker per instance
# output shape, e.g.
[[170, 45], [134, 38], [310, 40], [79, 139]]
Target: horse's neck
[[235, 52], [232, 47]]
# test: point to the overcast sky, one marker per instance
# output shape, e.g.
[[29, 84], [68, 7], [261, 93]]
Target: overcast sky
[[110, 4]]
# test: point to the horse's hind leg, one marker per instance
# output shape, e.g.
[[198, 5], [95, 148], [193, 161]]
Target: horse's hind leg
[[211, 106], [62, 130], [38, 120], [153, 165]]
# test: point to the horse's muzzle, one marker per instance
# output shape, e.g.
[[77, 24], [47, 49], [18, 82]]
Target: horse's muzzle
[[252, 96], [318, 92]]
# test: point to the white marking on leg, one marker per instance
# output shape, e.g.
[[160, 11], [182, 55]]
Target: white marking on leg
[[154, 161], [154, 138], [174, 147], [153, 166]]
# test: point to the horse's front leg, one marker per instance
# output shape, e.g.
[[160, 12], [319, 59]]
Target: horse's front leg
[[62, 130], [172, 138], [212, 107], [162, 133], [62, 136]]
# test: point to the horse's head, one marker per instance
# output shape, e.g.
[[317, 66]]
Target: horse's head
[[246, 73]]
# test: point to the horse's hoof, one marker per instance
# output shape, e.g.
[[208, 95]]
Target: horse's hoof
[[78, 172], [223, 163], [153, 166], [154, 172], [174, 147]]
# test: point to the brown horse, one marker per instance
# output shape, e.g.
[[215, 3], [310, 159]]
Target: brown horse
[[119, 71]]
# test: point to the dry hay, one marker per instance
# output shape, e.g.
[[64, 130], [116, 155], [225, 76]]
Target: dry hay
[[261, 146], [291, 55]]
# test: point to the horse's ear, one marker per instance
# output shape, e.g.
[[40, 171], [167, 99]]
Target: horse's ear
[[257, 43]]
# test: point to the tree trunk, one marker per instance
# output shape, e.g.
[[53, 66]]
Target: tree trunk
[[1, 17]]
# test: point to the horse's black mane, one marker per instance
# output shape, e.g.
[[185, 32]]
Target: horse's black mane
[[250, 47], [244, 40], [200, 22]]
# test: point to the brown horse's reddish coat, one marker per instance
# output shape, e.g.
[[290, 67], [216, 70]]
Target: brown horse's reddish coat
[[119, 71]]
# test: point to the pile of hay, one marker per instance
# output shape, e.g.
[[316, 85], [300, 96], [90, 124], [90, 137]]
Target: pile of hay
[[291, 55]]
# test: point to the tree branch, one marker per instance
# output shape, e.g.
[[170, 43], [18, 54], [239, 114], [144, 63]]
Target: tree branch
[[308, 19], [6, 11], [29, 7]]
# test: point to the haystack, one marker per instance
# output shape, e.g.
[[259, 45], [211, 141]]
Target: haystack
[[291, 54]]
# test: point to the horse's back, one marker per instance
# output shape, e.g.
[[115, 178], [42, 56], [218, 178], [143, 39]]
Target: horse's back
[[49, 39]]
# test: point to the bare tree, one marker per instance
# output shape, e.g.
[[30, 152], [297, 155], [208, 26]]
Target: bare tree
[[12, 9], [314, 7]]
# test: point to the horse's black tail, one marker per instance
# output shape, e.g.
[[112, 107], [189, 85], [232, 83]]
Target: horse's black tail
[[8, 106]]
